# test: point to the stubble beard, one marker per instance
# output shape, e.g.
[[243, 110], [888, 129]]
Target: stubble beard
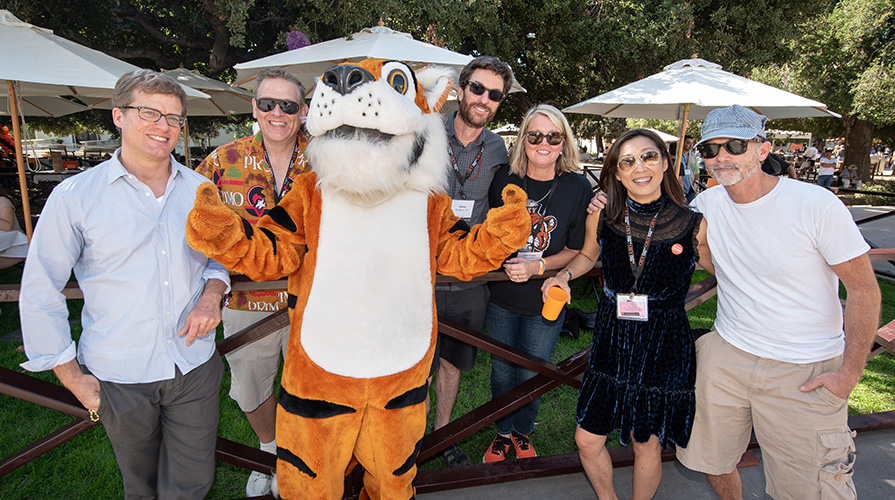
[[469, 119], [735, 173]]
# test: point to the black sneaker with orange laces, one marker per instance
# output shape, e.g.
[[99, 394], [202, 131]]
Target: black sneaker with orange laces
[[523, 446], [498, 450]]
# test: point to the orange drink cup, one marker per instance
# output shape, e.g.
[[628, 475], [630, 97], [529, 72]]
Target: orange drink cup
[[556, 300]]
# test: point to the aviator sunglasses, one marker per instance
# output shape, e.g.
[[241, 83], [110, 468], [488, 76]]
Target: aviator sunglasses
[[268, 103], [733, 146], [535, 138], [479, 89], [648, 158]]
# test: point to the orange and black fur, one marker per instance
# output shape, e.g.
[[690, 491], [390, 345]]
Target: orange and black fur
[[361, 238]]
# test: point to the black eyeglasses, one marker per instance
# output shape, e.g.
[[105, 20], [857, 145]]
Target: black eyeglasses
[[154, 115], [268, 103], [733, 146], [479, 89], [553, 138], [649, 158]]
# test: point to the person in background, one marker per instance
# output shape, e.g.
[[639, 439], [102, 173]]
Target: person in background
[[641, 369], [686, 174], [777, 165], [826, 168], [13, 242], [145, 364], [849, 176], [543, 164], [252, 175]]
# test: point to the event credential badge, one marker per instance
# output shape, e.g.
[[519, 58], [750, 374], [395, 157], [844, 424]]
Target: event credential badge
[[632, 306], [462, 208]]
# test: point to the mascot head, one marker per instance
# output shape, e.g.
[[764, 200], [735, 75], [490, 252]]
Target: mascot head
[[377, 131]]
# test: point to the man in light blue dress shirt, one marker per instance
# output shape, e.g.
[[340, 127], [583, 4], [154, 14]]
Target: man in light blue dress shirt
[[146, 361]]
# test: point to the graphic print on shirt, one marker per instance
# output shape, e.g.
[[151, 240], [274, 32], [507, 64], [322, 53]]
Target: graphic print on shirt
[[218, 178], [541, 227], [256, 203]]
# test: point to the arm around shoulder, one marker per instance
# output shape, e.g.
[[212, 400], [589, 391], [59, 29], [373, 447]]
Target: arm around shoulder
[[704, 252]]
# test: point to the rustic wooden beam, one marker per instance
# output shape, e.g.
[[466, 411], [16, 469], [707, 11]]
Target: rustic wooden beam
[[490, 411], [247, 457], [254, 332], [40, 392], [44, 444], [507, 352]]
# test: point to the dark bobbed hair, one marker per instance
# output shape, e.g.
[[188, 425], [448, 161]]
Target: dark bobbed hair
[[616, 194]]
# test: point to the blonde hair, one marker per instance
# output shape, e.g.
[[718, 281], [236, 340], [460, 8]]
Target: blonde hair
[[568, 159]]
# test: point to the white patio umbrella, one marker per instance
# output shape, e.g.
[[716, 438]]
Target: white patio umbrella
[[35, 62], [664, 136], [45, 106], [690, 88], [308, 63], [224, 99]]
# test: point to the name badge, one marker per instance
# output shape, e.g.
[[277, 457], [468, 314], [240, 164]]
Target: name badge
[[529, 255], [462, 208], [632, 307]]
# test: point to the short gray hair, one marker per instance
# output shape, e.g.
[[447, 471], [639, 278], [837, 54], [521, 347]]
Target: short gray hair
[[148, 82], [281, 74]]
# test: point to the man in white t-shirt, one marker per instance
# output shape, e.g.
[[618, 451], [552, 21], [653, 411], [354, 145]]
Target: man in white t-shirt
[[826, 169], [778, 360]]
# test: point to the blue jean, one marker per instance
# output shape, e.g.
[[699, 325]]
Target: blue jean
[[825, 180], [531, 334]]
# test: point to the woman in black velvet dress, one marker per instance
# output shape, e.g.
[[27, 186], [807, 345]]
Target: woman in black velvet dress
[[642, 366]]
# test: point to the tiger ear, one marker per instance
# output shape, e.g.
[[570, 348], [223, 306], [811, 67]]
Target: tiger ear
[[436, 82]]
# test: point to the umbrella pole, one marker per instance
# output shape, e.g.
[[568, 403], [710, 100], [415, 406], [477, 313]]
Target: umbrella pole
[[685, 111], [20, 162], [186, 143]]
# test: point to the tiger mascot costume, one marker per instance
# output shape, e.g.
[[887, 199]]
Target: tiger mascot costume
[[361, 238]]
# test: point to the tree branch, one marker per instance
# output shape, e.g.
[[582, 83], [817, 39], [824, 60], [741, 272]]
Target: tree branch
[[218, 60], [156, 32]]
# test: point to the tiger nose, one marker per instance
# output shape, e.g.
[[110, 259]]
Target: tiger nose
[[344, 79]]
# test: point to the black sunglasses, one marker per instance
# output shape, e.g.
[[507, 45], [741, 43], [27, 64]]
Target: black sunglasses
[[733, 146], [267, 104], [479, 89], [648, 158], [553, 138]]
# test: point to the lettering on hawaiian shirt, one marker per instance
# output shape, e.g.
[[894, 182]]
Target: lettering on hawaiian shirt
[[254, 163], [262, 306], [231, 198], [234, 172]]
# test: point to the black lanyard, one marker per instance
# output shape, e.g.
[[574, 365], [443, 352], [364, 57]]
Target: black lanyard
[[534, 225], [463, 178], [287, 181], [637, 269]]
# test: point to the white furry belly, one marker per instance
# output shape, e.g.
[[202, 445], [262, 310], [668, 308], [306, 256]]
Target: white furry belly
[[369, 312]]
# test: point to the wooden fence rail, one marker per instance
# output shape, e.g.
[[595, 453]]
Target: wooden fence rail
[[549, 376]]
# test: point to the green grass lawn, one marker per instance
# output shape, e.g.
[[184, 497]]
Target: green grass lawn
[[85, 466]]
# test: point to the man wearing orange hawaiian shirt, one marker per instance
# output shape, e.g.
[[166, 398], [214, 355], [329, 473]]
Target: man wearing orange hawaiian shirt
[[252, 175]]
